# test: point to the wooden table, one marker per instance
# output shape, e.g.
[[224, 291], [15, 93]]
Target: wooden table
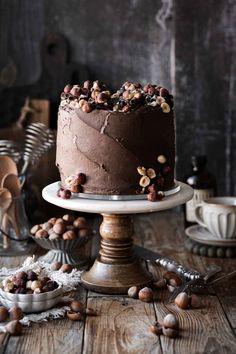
[[122, 324]]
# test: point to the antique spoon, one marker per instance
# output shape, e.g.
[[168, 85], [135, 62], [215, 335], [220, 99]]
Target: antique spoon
[[5, 202], [7, 165], [12, 183]]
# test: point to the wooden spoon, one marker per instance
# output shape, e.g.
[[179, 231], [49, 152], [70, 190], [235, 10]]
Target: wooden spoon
[[12, 183], [7, 165], [5, 202]]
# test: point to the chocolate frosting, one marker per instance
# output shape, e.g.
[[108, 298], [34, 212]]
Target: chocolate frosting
[[109, 146]]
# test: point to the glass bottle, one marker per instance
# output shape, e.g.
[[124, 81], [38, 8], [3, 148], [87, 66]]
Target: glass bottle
[[203, 184]]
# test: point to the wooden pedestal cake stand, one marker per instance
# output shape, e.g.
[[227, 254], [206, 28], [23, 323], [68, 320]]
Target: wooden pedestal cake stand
[[117, 268]]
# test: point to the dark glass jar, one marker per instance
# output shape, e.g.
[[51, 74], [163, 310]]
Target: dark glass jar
[[203, 183]]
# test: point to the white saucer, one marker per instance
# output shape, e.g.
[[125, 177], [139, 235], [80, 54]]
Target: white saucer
[[200, 234]]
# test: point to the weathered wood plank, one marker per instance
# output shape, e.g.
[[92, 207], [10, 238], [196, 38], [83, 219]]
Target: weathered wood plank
[[121, 327]]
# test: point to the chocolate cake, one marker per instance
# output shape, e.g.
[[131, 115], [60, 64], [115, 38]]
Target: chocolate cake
[[116, 144]]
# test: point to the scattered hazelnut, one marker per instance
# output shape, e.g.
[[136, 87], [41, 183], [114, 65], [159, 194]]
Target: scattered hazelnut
[[160, 284], [170, 321], [144, 181], [77, 306], [151, 173], [172, 278], [66, 268], [41, 234], [3, 314], [76, 188], [34, 229], [75, 316], [69, 235], [14, 328], [56, 265], [133, 292], [59, 228], [182, 300], [156, 329], [90, 312], [16, 313], [145, 294], [170, 332]]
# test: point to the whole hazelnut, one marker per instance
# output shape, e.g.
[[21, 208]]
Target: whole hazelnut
[[66, 268], [16, 313], [81, 178], [31, 275], [34, 229], [47, 226], [80, 222], [88, 84], [152, 196], [52, 221], [51, 285], [170, 332], [59, 228], [3, 314], [56, 265], [20, 290], [69, 219], [76, 188], [90, 312], [69, 235], [41, 234], [36, 284], [59, 220], [172, 278], [21, 283], [77, 306], [170, 321], [156, 328], [54, 236], [87, 107], [182, 300], [37, 291], [75, 316], [195, 301], [14, 327], [21, 275], [163, 92], [84, 232], [67, 88], [64, 193], [145, 294], [160, 284], [133, 292], [28, 284]]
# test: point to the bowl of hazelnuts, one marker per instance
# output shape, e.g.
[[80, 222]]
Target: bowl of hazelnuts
[[30, 291], [63, 236]]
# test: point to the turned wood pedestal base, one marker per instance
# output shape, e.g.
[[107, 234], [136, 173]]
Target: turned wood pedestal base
[[117, 268]]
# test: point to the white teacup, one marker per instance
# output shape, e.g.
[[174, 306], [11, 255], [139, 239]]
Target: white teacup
[[218, 215]]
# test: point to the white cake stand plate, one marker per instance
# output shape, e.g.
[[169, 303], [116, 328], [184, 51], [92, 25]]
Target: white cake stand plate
[[117, 268]]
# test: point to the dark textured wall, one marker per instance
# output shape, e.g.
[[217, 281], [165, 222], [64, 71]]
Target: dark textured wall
[[187, 46]]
